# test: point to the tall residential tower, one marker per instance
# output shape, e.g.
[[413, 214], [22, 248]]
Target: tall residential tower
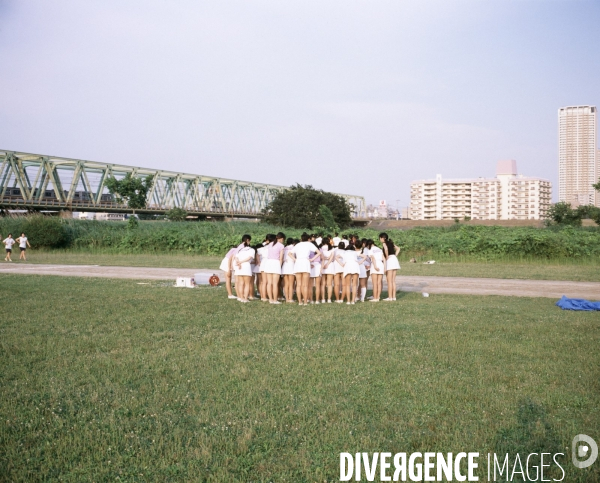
[[578, 158]]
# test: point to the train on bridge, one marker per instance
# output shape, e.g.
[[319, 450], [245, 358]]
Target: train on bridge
[[49, 183]]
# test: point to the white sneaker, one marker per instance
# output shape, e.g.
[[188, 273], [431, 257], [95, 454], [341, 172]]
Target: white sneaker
[[329, 301], [388, 300], [277, 302], [370, 297], [317, 302], [232, 297], [323, 301], [374, 300]]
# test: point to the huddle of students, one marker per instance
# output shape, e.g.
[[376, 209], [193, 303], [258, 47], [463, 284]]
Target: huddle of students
[[315, 267]]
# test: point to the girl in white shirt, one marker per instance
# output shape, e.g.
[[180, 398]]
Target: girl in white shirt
[[243, 270], [302, 261], [8, 243], [350, 260], [23, 244], [339, 271], [377, 269], [327, 268]]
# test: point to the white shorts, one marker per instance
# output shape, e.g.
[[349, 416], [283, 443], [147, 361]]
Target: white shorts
[[244, 270], [351, 268], [272, 266], [362, 271], [392, 263], [380, 266], [338, 268], [329, 270], [287, 268], [315, 271], [302, 265], [224, 265]]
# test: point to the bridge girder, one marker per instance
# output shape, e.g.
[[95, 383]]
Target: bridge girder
[[41, 181]]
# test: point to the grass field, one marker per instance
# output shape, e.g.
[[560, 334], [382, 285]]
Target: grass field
[[565, 269], [110, 380]]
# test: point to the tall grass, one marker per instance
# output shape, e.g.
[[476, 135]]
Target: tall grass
[[485, 243]]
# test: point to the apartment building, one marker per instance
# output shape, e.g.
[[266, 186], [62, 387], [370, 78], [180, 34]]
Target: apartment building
[[508, 196], [578, 156]]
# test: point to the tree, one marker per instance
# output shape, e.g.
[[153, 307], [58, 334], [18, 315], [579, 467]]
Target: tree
[[300, 207], [561, 213], [176, 214], [130, 189]]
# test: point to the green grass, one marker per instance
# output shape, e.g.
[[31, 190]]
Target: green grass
[[564, 269], [110, 380]]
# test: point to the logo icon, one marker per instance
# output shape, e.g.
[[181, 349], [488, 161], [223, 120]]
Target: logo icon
[[584, 447]]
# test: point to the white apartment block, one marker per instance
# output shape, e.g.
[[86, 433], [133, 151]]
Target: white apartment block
[[508, 196], [578, 158]]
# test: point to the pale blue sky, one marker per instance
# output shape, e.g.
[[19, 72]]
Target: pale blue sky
[[358, 97]]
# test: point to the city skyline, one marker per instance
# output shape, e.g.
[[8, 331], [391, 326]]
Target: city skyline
[[348, 97]]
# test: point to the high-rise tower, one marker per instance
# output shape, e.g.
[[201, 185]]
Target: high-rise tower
[[578, 162]]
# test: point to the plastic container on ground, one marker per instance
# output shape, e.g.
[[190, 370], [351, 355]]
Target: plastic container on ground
[[184, 282], [206, 279]]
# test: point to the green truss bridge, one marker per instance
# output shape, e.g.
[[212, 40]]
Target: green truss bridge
[[37, 182]]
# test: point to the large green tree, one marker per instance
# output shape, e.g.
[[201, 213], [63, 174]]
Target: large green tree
[[302, 207], [130, 189]]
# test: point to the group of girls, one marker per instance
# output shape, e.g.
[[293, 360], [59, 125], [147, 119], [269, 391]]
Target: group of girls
[[313, 268]]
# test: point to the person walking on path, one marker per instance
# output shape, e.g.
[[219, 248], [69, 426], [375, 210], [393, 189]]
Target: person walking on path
[[8, 244], [23, 244]]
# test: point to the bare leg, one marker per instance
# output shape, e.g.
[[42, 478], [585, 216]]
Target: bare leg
[[391, 274], [353, 285], [329, 283], [299, 291], [228, 283], [305, 287], [376, 286], [337, 278], [346, 288]]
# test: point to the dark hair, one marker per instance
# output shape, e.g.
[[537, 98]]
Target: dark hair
[[341, 245], [296, 241], [325, 242], [358, 244], [304, 237], [289, 241], [345, 237], [257, 246], [10, 234], [350, 247], [246, 238], [384, 236], [271, 238], [24, 233], [390, 247], [280, 236], [370, 243]]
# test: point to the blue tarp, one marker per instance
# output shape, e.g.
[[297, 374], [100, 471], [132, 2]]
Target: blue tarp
[[566, 303]]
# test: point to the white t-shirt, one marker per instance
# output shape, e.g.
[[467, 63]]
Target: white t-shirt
[[318, 240], [8, 243], [336, 241], [23, 242], [303, 250]]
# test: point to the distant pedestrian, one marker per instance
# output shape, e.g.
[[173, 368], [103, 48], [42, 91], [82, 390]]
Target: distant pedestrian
[[8, 243], [23, 244]]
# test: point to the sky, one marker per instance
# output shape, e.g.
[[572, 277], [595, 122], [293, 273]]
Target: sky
[[355, 97]]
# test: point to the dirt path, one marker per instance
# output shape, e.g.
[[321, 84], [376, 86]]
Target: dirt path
[[432, 285]]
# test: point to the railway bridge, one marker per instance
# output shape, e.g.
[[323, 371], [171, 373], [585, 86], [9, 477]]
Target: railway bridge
[[50, 183]]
